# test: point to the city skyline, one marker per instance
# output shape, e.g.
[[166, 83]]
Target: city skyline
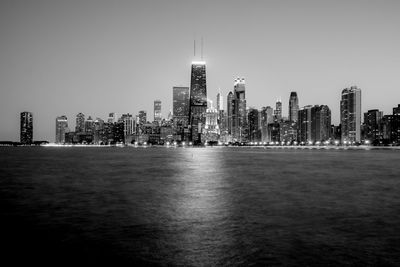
[[51, 68]]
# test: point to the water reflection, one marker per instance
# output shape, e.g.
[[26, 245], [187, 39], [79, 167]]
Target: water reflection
[[201, 207]]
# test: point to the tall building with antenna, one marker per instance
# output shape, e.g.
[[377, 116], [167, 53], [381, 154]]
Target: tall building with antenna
[[198, 98]]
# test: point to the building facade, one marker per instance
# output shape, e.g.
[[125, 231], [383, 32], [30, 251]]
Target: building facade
[[350, 115], [61, 129], [293, 107], [26, 127], [198, 101]]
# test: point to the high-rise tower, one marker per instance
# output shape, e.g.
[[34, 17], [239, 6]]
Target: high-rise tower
[[198, 100], [278, 110], [239, 115], [350, 115], [157, 111], [26, 131], [80, 123], [293, 107], [61, 129]]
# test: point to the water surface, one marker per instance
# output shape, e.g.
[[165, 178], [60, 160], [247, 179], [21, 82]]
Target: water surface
[[200, 206]]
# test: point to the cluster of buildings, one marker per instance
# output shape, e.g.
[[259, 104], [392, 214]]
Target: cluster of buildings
[[194, 120]]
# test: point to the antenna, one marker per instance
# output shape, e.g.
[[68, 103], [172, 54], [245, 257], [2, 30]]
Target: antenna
[[194, 48], [202, 48]]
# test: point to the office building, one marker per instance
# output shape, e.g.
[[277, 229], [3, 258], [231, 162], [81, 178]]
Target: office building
[[26, 128], [198, 100], [350, 115], [61, 129], [293, 107]]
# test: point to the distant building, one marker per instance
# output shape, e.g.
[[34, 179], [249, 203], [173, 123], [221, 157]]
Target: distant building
[[198, 100], [350, 115], [254, 128], [304, 125], [142, 117], [89, 124], [26, 129], [80, 123], [180, 96], [61, 129], [314, 124], [157, 111], [239, 114], [293, 107], [229, 109], [267, 117], [278, 110], [372, 126], [112, 117], [395, 136], [129, 127], [211, 129]]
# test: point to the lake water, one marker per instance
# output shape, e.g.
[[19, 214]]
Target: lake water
[[200, 206]]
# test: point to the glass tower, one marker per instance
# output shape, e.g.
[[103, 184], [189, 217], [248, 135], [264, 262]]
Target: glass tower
[[26, 134], [350, 115], [61, 129], [198, 100], [293, 107]]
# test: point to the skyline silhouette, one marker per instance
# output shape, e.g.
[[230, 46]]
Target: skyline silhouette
[[60, 58]]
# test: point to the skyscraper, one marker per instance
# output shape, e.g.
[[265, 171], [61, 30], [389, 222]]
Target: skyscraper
[[372, 123], [26, 130], [229, 107], [89, 125], [320, 123], [80, 123], [157, 111], [239, 115], [61, 129], [293, 107], [350, 115], [278, 110], [198, 100], [304, 125], [142, 117], [253, 120], [220, 105], [180, 105]]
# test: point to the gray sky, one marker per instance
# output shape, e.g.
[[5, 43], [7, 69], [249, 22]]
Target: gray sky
[[65, 57]]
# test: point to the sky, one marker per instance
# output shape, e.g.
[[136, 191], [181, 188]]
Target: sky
[[96, 57]]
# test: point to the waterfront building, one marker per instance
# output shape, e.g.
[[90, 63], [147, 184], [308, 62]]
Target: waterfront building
[[229, 114], [395, 136], [267, 118], [350, 115], [239, 112], [180, 96], [372, 126], [254, 127], [293, 107], [288, 132], [198, 100], [157, 111], [80, 123], [26, 127], [129, 127], [61, 129], [211, 129], [304, 125], [320, 123]]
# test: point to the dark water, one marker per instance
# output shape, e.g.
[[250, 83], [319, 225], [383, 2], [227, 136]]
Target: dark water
[[200, 207]]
